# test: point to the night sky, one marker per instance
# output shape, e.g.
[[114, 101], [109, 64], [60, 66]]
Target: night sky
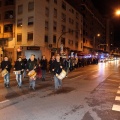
[[107, 8]]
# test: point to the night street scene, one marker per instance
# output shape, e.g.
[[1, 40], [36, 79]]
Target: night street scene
[[59, 60]]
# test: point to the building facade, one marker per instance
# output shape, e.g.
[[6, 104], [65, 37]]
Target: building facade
[[43, 26], [7, 29], [94, 26]]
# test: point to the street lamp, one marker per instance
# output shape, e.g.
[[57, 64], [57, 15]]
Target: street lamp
[[98, 35], [117, 12], [63, 33]]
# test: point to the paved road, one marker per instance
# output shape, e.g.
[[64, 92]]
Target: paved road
[[89, 93]]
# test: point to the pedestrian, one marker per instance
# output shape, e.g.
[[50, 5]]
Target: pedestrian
[[31, 66], [19, 69], [57, 68], [43, 64], [24, 60], [6, 66], [66, 65], [38, 70]]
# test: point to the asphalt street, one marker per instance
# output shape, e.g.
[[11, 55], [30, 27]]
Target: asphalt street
[[88, 93]]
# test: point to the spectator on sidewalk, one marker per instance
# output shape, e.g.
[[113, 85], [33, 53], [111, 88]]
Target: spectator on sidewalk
[[6, 65]]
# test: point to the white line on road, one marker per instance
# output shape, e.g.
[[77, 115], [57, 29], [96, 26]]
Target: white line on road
[[117, 98], [116, 107], [4, 101]]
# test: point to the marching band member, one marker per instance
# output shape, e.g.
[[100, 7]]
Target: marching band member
[[31, 65], [57, 68], [5, 64], [19, 68]]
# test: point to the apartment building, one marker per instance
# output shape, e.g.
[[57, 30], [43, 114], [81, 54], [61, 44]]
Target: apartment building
[[94, 26], [7, 29], [43, 26]]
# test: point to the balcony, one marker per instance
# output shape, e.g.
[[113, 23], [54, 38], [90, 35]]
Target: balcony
[[6, 35]]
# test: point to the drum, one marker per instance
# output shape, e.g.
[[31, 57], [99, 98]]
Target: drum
[[4, 72], [17, 72], [32, 74], [61, 75]]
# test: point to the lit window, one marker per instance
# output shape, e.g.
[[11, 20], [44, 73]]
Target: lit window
[[30, 36], [30, 20]]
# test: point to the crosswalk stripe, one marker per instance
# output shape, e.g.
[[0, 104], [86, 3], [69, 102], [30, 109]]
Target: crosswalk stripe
[[118, 91], [116, 107], [117, 98]]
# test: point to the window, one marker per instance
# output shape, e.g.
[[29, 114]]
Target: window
[[9, 14], [76, 44], [47, 0], [30, 36], [30, 6], [20, 9], [8, 28], [46, 25], [63, 28], [63, 41], [77, 15], [63, 17], [55, 12], [54, 39], [9, 2], [30, 20], [19, 23], [0, 3], [47, 11], [19, 37], [0, 29], [64, 5], [55, 1], [54, 25], [46, 39], [70, 42]]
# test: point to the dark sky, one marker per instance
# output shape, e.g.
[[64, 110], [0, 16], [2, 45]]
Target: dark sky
[[107, 8]]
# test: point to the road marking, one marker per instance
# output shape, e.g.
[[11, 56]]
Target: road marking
[[117, 98], [118, 91], [76, 77], [4, 101], [116, 107]]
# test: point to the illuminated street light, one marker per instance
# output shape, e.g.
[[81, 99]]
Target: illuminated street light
[[98, 34], [117, 12]]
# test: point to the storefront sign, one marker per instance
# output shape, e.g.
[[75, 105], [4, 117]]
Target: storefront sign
[[33, 48]]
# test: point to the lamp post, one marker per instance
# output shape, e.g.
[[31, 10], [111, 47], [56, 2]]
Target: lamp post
[[94, 45], [62, 35]]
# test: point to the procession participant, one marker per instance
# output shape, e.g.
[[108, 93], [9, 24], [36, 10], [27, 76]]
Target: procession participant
[[19, 69], [43, 64], [57, 68], [31, 66], [6, 65], [52, 60], [25, 63]]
